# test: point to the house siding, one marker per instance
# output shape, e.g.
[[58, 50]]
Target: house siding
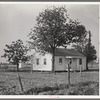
[[58, 67], [62, 66], [41, 65], [83, 66], [74, 65]]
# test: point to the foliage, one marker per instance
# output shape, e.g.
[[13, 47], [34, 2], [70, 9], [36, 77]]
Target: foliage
[[86, 48], [54, 28], [80, 46], [91, 53], [86, 88], [16, 52]]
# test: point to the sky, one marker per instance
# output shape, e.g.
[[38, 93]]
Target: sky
[[16, 21]]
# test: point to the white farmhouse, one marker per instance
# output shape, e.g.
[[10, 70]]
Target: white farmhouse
[[42, 62]]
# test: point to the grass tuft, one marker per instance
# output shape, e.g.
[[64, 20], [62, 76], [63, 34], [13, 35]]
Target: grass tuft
[[63, 89]]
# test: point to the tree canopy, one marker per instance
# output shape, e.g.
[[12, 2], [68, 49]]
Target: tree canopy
[[86, 48], [90, 54], [54, 28], [16, 52]]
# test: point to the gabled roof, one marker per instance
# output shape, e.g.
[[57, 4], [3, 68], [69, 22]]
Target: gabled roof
[[67, 52]]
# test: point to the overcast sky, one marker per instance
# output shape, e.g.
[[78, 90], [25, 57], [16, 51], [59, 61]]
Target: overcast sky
[[16, 21]]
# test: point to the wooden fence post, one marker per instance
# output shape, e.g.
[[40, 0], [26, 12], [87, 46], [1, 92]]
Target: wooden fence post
[[68, 74], [80, 70], [20, 82]]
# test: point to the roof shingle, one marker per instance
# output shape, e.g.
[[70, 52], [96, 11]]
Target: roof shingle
[[67, 52]]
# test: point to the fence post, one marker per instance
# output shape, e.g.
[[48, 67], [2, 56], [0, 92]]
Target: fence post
[[80, 70], [20, 82], [68, 75]]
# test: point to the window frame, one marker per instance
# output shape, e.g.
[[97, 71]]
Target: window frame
[[80, 61], [37, 61], [60, 61], [45, 61]]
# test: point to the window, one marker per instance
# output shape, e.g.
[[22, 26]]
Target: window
[[37, 61], [60, 60], [45, 61], [80, 61], [70, 61]]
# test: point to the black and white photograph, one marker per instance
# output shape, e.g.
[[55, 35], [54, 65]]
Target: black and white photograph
[[49, 49]]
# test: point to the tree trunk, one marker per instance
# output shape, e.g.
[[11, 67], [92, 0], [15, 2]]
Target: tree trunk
[[88, 54], [17, 67], [53, 61], [87, 64]]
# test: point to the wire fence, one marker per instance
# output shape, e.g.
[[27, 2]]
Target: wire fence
[[13, 68], [5, 67]]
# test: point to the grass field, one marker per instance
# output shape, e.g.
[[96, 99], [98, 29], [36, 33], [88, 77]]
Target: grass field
[[48, 83]]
